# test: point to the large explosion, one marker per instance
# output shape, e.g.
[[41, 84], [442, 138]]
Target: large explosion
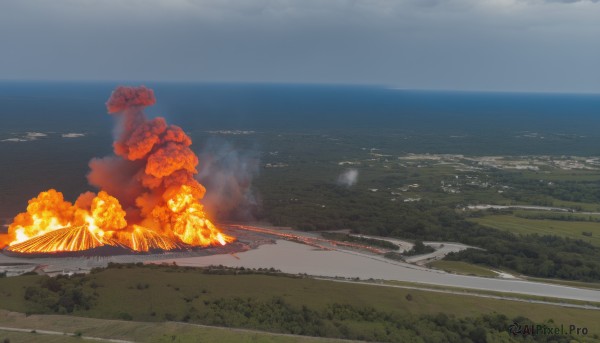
[[148, 200]]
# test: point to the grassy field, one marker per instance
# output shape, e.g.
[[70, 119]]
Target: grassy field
[[564, 175], [570, 229], [589, 207], [550, 215], [24, 337], [504, 295], [172, 292], [459, 267], [132, 331]]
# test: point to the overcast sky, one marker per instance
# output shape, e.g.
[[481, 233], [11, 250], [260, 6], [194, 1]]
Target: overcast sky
[[510, 45]]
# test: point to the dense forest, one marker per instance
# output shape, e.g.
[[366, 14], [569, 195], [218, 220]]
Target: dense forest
[[344, 208]]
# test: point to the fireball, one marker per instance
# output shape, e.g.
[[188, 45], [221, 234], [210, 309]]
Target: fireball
[[149, 198]]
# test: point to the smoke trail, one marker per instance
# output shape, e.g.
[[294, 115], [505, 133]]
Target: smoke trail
[[227, 174]]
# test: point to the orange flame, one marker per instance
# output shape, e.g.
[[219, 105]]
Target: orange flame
[[162, 196]]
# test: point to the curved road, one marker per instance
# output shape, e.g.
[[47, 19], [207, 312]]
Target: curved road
[[295, 258]]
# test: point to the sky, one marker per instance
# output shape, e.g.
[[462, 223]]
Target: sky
[[488, 45]]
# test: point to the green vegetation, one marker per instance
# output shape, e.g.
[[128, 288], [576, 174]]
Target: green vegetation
[[569, 186], [560, 216], [61, 294], [362, 240], [150, 332], [275, 302], [535, 255], [404, 198], [563, 228], [392, 255], [32, 337], [484, 293], [460, 267], [531, 254], [421, 199], [419, 249]]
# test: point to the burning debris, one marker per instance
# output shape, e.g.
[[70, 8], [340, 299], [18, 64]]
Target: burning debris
[[148, 199]]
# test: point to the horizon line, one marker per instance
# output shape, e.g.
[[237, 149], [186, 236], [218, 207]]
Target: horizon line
[[293, 83]]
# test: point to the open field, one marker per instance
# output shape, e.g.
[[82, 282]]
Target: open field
[[555, 215], [171, 293], [25, 337], [460, 267], [132, 331], [584, 206], [570, 229], [594, 305], [556, 174]]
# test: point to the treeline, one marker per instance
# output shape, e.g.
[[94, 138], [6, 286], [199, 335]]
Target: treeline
[[419, 249], [523, 188], [534, 255], [363, 213], [323, 207], [211, 270], [361, 323], [362, 240], [567, 217], [62, 294]]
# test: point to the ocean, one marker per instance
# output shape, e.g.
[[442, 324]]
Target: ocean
[[80, 106]]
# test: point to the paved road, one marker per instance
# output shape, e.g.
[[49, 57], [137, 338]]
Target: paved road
[[441, 249], [527, 207], [523, 207], [297, 258], [480, 295], [403, 245]]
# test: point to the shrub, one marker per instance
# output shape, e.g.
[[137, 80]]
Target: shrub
[[125, 316]]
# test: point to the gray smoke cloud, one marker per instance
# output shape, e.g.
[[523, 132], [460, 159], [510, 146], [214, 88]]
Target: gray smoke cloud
[[512, 45], [348, 178], [227, 174]]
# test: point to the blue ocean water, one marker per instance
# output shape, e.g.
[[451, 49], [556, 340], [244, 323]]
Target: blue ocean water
[[80, 106]]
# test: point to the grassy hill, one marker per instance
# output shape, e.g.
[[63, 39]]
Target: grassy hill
[[278, 303]]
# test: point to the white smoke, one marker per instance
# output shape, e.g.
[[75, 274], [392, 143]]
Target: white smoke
[[348, 178], [72, 135], [29, 136], [227, 174]]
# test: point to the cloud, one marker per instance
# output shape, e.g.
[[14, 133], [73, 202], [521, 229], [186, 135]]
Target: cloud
[[570, 1], [32, 136], [72, 135], [29, 136], [14, 140], [450, 44], [35, 135], [348, 178]]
